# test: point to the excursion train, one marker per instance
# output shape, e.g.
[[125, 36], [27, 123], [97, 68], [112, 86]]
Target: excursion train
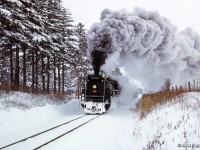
[[96, 96]]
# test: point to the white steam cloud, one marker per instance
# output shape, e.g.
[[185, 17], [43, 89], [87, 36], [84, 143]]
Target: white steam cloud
[[147, 46]]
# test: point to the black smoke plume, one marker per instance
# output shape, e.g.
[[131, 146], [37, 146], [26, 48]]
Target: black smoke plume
[[98, 59], [100, 49]]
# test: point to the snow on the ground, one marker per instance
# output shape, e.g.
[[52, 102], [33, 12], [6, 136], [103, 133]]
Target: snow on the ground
[[171, 126], [24, 114], [164, 128], [26, 101], [104, 133]]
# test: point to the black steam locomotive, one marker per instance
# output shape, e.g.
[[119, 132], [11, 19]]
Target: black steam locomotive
[[96, 97]]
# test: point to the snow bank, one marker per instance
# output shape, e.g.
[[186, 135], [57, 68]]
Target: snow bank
[[26, 101], [171, 126], [21, 114]]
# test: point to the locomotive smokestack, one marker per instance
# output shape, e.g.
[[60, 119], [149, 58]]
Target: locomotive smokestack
[[98, 59]]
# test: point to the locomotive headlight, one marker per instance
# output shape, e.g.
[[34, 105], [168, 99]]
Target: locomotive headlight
[[94, 86], [94, 90]]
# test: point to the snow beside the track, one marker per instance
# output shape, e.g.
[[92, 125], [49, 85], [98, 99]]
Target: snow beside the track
[[119, 129], [173, 126], [17, 123]]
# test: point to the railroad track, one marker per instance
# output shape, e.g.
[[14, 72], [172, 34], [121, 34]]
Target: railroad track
[[51, 134]]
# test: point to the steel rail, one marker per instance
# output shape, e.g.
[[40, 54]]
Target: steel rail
[[65, 133], [22, 140]]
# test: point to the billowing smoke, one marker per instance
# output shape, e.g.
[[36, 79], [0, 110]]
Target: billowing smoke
[[146, 46]]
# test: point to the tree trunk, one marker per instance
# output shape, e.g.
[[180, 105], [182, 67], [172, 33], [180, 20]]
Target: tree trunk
[[16, 79], [78, 81], [33, 73], [43, 76], [36, 72], [58, 78], [11, 68], [78, 86], [54, 74], [63, 78], [48, 76], [24, 69]]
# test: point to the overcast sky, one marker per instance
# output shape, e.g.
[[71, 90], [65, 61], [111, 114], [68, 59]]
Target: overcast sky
[[181, 13]]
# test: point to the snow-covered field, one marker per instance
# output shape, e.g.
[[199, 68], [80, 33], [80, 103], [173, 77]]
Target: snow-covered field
[[169, 127], [22, 114], [166, 127]]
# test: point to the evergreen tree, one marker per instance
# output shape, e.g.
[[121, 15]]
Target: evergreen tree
[[82, 58], [39, 46]]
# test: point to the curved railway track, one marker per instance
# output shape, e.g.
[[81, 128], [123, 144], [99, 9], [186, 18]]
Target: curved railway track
[[76, 126]]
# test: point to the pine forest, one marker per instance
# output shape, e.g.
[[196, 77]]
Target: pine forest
[[42, 50]]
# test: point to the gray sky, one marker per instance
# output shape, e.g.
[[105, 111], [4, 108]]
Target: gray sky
[[181, 13]]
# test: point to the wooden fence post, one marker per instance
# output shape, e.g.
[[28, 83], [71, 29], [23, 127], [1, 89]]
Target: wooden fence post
[[181, 89], [189, 86]]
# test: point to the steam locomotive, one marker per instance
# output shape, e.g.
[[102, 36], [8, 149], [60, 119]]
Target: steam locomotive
[[96, 97]]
